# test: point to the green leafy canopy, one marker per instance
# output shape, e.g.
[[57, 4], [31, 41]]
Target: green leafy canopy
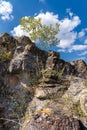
[[40, 32]]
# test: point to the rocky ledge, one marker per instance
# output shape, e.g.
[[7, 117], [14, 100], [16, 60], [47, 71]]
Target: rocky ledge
[[39, 90]]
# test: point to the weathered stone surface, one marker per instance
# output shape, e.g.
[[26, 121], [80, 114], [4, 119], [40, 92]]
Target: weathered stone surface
[[23, 62], [76, 88], [14, 97], [52, 60], [37, 88], [83, 101], [7, 41], [50, 92], [4, 67], [23, 40], [81, 68], [5, 38], [54, 122]]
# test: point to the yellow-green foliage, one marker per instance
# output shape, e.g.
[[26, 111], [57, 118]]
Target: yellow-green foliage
[[5, 56], [54, 73], [85, 83], [37, 30], [67, 98], [76, 109], [58, 74]]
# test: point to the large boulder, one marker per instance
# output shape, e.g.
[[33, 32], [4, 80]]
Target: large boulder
[[23, 61]]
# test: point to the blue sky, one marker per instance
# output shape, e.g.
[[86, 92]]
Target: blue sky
[[70, 14]]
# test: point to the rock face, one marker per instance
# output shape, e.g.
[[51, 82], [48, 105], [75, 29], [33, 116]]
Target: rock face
[[81, 67], [55, 122], [38, 90]]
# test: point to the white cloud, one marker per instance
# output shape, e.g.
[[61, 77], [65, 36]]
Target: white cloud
[[81, 34], [6, 9], [83, 53], [67, 39], [78, 47], [67, 35], [17, 31], [67, 25], [85, 42], [48, 18], [69, 12]]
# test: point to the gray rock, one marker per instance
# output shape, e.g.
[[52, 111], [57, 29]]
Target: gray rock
[[34, 85], [55, 123], [23, 62]]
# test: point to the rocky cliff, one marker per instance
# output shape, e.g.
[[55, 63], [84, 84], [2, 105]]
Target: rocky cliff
[[39, 90]]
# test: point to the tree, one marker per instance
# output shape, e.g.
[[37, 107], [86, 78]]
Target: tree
[[40, 32]]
